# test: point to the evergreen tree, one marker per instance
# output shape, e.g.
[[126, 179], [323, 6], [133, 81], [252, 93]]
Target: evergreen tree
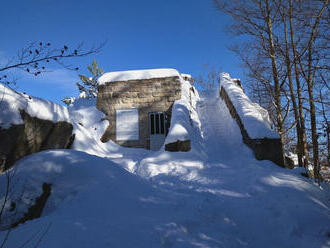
[[88, 85]]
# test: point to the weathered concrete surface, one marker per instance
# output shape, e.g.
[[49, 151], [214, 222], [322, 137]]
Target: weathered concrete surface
[[264, 149], [33, 136], [178, 146], [148, 95]]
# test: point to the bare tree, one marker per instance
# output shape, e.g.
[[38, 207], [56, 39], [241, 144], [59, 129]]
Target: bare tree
[[210, 79], [255, 19], [309, 76], [286, 53], [36, 57], [325, 126]]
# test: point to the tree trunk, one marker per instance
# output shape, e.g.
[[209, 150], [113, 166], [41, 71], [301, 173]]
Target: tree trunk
[[268, 21], [298, 86], [310, 85], [292, 96]]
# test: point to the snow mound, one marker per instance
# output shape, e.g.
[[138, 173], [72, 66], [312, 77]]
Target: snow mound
[[12, 102], [184, 115], [89, 125], [84, 189], [83, 112], [255, 118], [137, 75]]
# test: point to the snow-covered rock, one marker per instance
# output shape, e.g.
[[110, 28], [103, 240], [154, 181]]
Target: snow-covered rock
[[11, 102], [29, 125]]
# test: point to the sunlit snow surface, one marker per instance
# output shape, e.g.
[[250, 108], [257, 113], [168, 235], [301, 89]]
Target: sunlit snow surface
[[255, 119], [216, 195], [137, 75], [12, 102]]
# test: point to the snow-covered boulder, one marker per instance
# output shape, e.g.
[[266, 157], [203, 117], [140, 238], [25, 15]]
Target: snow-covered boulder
[[29, 125], [89, 183], [12, 102]]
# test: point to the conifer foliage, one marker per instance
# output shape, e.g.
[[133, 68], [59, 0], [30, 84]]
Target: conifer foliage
[[88, 85]]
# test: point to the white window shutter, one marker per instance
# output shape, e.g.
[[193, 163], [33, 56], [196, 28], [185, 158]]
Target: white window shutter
[[127, 124]]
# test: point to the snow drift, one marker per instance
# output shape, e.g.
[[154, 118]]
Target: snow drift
[[184, 116]]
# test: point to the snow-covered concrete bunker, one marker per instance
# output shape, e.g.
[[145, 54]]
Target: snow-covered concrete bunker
[[138, 105]]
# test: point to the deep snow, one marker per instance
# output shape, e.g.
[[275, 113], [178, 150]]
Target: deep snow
[[11, 102], [216, 195]]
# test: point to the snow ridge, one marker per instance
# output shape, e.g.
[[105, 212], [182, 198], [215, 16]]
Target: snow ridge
[[255, 119], [12, 102], [184, 115]]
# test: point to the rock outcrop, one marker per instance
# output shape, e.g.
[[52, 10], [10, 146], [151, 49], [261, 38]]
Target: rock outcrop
[[36, 209], [33, 136]]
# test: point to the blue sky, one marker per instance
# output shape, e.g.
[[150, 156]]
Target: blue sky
[[181, 34]]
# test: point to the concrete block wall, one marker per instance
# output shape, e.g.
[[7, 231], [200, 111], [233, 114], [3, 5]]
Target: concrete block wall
[[265, 148], [147, 95]]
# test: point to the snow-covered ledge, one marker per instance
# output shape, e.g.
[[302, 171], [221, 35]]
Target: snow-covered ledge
[[29, 125], [253, 121]]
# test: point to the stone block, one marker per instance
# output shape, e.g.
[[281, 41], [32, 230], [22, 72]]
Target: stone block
[[264, 149], [171, 99], [151, 95], [178, 146]]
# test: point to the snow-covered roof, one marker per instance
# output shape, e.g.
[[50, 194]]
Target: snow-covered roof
[[137, 75]]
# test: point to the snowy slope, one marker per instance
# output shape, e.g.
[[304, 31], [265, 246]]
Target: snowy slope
[[94, 202], [89, 125], [216, 195]]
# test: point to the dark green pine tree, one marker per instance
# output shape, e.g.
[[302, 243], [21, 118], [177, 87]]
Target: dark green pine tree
[[88, 85]]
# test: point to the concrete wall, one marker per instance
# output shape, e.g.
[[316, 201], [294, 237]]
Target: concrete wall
[[148, 95], [264, 149]]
